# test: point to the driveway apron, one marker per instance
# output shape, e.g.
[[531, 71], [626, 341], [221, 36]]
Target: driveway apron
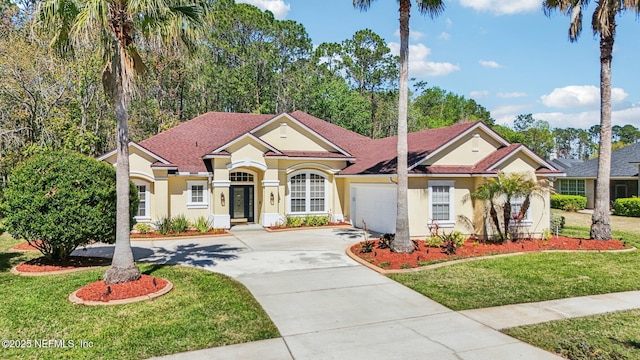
[[327, 306]]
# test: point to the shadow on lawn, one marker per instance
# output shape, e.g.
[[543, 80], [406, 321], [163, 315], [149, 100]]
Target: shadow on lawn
[[5, 260]]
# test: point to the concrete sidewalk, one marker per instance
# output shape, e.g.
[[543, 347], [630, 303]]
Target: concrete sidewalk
[[327, 306]]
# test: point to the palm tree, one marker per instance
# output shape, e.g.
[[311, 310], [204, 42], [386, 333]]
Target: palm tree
[[433, 8], [603, 23], [117, 28]]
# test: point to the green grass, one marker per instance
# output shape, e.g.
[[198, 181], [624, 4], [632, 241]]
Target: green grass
[[609, 336], [529, 277], [204, 310]]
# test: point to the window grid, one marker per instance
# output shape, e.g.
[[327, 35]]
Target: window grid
[[516, 205], [316, 193], [241, 177], [440, 203], [142, 200], [298, 193], [571, 187], [197, 193]]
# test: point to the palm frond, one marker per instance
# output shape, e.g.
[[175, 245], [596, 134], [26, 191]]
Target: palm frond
[[433, 8], [362, 5]]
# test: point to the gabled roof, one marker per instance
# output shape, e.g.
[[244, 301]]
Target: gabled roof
[[623, 164], [380, 156], [187, 144]]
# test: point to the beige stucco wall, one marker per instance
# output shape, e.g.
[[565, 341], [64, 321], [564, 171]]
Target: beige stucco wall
[[178, 198], [468, 150], [285, 134]]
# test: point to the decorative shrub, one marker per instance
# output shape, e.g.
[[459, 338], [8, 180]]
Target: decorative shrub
[[202, 224], [142, 228], [164, 225], [294, 221], [557, 221], [568, 202], [627, 207], [65, 200], [433, 241], [319, 220], [180, 224], [386, 241]]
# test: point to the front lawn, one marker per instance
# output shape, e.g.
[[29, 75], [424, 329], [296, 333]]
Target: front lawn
[[613, 336], [530, 277], [204, 310]]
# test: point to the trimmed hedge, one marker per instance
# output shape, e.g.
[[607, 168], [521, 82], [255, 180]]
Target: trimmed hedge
[[568, 202], [627, 207]]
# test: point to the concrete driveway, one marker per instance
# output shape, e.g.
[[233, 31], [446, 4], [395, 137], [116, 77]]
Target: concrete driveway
[[327, 306]]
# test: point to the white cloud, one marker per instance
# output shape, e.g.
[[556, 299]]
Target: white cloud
[[511, 95], [418, 64], [479, 94], [505, 114], [444, 36], [580, 96], [279, 8], [503, 7], [580, 120], [490, 64]]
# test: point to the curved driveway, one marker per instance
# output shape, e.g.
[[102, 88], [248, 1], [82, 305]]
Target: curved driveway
[[327, 306]]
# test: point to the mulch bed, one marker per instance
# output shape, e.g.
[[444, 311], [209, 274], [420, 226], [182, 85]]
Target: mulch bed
[[24, 246], [99, 291], [152, 234], [428, 255], [43, 265]]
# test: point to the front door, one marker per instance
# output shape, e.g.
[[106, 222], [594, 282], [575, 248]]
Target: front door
[[242, 203]]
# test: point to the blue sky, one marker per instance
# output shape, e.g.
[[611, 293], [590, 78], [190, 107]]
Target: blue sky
[[505, 54]]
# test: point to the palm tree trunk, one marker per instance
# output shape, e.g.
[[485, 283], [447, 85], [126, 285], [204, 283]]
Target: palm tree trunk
[[123, 268], [600, 225], [402, 242]]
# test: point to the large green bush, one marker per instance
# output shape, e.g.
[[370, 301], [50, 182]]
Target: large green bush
[[568, 202], [64, 200], [627, 207]]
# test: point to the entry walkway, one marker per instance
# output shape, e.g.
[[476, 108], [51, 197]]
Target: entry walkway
[[327, 306]]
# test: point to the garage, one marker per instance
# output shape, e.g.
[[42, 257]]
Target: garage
[[376, 204]]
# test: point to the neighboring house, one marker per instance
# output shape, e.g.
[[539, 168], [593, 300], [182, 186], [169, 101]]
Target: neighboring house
[[580, 178], [236, 168]]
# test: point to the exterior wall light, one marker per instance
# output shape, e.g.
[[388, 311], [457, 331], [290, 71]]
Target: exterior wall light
[[222, 199], [271, 198]]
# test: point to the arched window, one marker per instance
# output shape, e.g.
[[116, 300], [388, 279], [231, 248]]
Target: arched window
[[308, 192]]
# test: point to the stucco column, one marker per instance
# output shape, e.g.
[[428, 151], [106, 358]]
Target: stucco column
[[160, 198], [220, 204], [270, 199]]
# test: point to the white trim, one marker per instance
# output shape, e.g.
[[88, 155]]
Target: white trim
[[246, 163], [221, 183], [286, 157], [139, 147], [305, 166], [308, 192], [143, 175], [221, 221], [216, 156], [306, 128], [266, 183], [527, 221], [242, 137], [204, 204], [270, 219], [530, 153], [443, 147], [452, 191]]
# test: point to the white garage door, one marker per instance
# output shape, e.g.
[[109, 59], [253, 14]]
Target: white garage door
[[376, 204]]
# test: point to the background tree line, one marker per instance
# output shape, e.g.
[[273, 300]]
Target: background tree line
[[248, 61]]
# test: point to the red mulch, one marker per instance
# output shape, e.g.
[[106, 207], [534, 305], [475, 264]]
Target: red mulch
[[152, 234], [99, 291], [425, 255], [24, 246], [42, 264]]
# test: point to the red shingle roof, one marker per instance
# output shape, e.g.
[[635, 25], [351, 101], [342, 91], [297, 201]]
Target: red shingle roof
[[380, 156]]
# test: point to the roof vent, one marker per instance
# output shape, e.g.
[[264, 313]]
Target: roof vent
[[475, 143], [283, 130]]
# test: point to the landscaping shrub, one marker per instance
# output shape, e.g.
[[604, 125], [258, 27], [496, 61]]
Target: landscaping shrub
[[627, 207], [294, 221], [568, 202], [180, 224], [319, 220], [142, 228], [557, 221], [386, 241], [202, 224], [164, 225], [65, 200]]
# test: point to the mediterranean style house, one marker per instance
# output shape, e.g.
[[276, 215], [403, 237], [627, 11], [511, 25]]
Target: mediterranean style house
[[255, 168]]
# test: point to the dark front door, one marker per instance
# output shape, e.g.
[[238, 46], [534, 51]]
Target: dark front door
[[242, 202]]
